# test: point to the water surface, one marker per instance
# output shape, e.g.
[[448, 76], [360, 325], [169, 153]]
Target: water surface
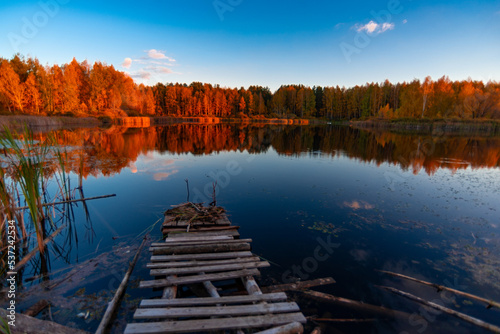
[[424, 206]]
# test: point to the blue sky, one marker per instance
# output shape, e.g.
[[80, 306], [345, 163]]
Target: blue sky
[[238, 43]]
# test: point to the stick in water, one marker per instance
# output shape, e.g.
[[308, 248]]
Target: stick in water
[[490, 303], [115, 302]]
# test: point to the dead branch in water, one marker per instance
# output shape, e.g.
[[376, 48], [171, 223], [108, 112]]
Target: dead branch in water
[[298, 285], [489, 303], [69, 201], [449, 311]]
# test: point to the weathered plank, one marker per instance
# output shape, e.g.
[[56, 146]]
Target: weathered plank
[[209, 269], [236, 310], [299, 285], [197, 249], [214, 324], [198, 238], [157, 265], [197, 242], [184, 234], [270, 297], [208, 256], [160, 283], [200, 229], [292, 328], [181, 223]]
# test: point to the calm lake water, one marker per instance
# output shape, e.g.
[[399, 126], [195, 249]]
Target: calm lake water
[[424, 206]]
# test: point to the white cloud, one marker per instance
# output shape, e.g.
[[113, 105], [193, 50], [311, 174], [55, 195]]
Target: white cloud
[[159, 69], [373, 27], [142, 74], [405, 21], [127, 62], [155, 54]]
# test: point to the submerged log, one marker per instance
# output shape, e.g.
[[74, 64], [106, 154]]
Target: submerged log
[[363, 307], [291, 328], [489, 303], [465, 317], [70, 201], [115, 302], [298, 285], [198, 249]]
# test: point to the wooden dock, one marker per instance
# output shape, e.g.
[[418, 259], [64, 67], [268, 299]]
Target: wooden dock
[[206, 275]]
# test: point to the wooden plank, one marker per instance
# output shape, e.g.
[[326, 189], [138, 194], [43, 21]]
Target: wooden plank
[[197, 249], [198, 242], [292, 328], [185, 234], [185, 223], [200, 229], [214, 324], [160, 283], [269, 297], [236, 310], [199, 238], [209, 269], [158, 265], [208, 256]]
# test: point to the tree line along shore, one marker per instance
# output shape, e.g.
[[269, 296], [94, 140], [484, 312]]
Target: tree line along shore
[[82, 90]]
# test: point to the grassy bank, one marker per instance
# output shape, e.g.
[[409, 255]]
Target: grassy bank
[[18, 122], [435, 127]]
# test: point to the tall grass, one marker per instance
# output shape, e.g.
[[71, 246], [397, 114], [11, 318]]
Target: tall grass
[[26, 164]]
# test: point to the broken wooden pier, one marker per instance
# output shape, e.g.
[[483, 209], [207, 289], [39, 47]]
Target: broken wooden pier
[[206, 274]]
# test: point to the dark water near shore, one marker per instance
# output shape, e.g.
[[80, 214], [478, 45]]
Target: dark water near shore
[[423, 206]]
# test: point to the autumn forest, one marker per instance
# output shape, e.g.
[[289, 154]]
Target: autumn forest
[[80, 89]]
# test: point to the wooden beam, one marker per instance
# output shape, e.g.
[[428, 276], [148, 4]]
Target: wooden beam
[[236, 310], [200, 229], [193, 302], [208, 256], [197, 239], [298, 285], [69, 201], [160, 283], [191, 234], [197, 249], [196, 242], [291, 328], [465, 317], [209, 269], [214, 324], [363, 307], [489, 303], [195, 263]]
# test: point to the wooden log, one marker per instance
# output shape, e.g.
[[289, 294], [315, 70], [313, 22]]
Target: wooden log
[[368, 308], [115, 302], [235, 310], [170, 292], [465, 317], [489, 303], [251, 285], [187, 326], [209, 269], [160, 283], [37, 308], [208, 256], [69, 201], [291, 328], [197, 249], [28, 256], [196, 242], [196, 263], [298, 285], [206, 301]]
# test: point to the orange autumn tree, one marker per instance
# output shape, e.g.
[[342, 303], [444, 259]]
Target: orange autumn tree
[[10, 87]]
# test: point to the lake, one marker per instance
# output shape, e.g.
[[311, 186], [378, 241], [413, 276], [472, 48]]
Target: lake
[[420, 205]]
